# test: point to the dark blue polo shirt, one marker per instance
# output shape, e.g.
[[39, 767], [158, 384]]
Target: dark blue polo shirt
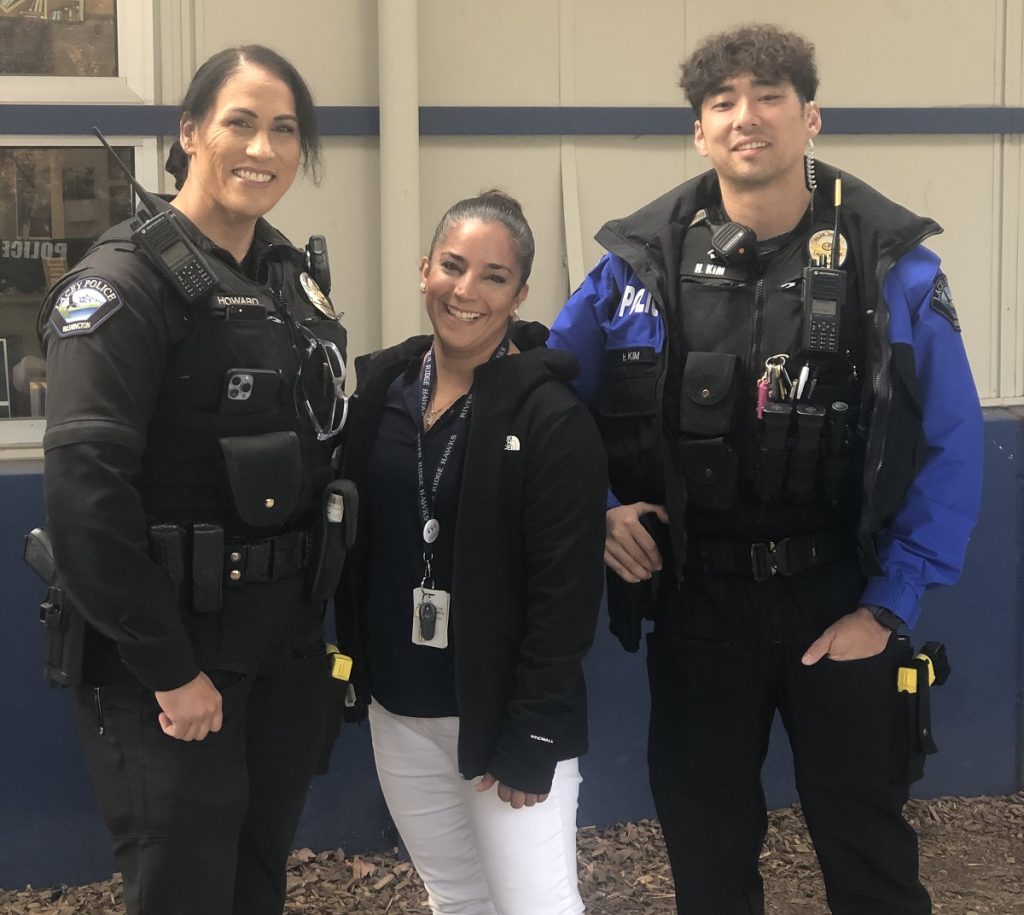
[[408, 679]]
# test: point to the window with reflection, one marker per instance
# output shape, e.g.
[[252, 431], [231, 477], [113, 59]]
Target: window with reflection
[[58, 38], [54, 202]]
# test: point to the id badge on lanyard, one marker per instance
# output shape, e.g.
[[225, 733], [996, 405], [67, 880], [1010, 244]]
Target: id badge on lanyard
[[430, 605]]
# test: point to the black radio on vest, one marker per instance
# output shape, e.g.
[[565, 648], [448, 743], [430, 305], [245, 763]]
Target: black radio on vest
[[170, 249], [824, 294]]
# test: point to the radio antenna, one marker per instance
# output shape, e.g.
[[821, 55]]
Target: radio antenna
[[148, 200], [835, 231]]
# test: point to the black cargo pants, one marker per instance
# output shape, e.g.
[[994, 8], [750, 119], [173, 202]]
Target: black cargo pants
[[205, 827], [720, 662]]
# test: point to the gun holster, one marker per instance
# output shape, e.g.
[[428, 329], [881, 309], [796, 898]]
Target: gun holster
[[63, 625], [630, 603]]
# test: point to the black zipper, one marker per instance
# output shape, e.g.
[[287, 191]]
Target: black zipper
[[99, 708], [757, 356]]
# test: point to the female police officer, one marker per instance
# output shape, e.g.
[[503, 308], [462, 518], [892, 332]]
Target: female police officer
[[195, 371]]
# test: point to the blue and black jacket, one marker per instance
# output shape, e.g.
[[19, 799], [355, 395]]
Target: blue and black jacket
[[920, 412]]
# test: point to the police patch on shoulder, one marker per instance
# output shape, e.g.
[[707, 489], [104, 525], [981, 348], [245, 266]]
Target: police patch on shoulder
[[942, 301], [83, 305]]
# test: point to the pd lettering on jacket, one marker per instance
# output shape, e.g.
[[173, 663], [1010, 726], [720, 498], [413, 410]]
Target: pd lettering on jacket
[[637, 302]]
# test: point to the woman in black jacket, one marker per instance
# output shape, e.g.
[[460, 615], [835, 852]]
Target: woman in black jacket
[[191, 428], [473, 593]]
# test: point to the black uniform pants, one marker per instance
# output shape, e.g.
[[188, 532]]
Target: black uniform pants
[[720, 662], [205, 827]]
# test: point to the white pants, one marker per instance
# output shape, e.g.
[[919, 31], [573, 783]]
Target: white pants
[[475, 853]]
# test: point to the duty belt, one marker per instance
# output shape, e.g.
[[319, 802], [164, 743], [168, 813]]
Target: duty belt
[[763, 559], [253, 561]]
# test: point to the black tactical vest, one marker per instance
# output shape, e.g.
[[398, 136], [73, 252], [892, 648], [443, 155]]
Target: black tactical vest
[[231, 441], [742, 473]]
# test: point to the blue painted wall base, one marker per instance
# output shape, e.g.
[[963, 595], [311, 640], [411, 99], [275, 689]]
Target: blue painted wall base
[[52, 832]]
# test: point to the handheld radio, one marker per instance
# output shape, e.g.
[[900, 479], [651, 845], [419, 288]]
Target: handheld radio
[[167, 244], [824, 294]]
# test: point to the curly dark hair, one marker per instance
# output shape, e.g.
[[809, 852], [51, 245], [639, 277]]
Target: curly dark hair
[[761, 49]]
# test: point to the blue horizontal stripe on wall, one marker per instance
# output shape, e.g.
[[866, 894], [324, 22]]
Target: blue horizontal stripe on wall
[[349, 121]]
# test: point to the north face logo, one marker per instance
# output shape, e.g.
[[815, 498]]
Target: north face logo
[[511, 443]]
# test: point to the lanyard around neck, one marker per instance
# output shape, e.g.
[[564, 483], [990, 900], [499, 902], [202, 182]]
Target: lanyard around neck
[[431, 527]]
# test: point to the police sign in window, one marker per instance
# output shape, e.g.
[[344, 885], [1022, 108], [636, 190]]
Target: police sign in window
[[58, 38], [56, 202]]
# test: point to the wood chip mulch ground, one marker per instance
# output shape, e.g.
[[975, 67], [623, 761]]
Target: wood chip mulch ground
[[972, 861]]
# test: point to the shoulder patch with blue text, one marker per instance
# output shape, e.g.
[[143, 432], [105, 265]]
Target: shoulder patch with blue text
[[942, 301], [83, 305]]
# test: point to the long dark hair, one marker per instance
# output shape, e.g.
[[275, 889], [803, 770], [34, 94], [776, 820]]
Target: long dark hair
[[212, 75]]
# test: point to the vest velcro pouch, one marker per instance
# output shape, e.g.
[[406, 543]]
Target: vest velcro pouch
[[168, 549], [710, 466], [264, 475], [708, 399], [625, 411], [707, 406], [207, 567]]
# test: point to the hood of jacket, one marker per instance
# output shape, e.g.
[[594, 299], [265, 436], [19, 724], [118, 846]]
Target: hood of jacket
[[502, 385]]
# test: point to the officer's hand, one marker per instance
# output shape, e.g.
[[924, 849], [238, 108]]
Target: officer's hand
[[192, 711], [850, 638], [628, 549], [513, 796]]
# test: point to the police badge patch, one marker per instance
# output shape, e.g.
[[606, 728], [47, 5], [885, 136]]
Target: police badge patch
[[83, 305], [942, 301]]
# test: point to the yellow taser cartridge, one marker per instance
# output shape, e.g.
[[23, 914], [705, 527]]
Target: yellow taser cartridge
[[906, 678], [341, 664]]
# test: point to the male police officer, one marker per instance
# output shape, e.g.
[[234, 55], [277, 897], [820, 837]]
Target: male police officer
[[804, 427]]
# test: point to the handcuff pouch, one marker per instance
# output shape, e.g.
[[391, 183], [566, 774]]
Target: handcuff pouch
[[264, 477]]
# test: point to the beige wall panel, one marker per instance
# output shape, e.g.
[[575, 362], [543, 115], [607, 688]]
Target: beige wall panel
[[618, 175], [332, 43], [345, 209], [890, 53], [526, 168], [488, 52], [628, 59], [953, 180]]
